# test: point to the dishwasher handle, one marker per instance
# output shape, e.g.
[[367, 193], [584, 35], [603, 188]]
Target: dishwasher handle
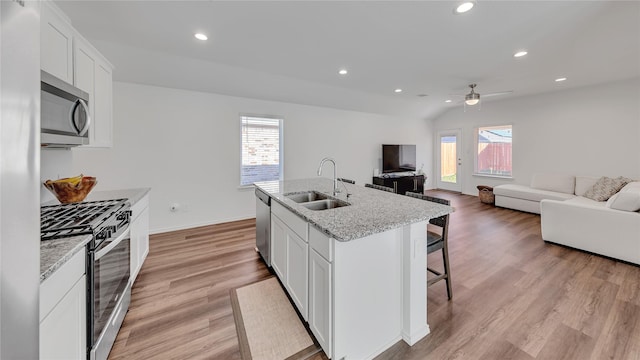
[[263, 197]]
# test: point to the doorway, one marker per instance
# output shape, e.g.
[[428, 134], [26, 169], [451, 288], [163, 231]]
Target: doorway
[[449, 159]]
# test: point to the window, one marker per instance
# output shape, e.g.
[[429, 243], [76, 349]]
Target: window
[[261, 149], [493, 155]]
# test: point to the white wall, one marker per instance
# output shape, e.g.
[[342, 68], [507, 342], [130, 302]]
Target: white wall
[[185, 145], [586, 131]]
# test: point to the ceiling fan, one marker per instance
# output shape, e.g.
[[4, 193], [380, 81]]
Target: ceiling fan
[[473, 98]]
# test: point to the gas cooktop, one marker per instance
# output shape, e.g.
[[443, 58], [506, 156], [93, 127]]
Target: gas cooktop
[[65, 220]]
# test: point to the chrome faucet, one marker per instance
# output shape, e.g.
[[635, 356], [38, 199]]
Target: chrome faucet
[[335, 170]]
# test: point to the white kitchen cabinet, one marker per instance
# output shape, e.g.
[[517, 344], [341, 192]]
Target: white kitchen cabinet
[[278, 247], [139, 235], [56, 39], [297, 270], [67, 55], [93, 74], [63, 312], [320, 300], [289, 254]]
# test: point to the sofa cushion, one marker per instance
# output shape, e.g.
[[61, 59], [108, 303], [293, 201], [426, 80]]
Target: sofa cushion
[[632, 186], [627, 200], [584, 183], [605, 187], [553, 182], [527, 193]]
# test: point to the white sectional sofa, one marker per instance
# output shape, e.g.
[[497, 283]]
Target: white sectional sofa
[[610, 228], [543, 186], [597, 227]]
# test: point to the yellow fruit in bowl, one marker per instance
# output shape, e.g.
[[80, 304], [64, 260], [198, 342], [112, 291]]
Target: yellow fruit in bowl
[[71, 190]]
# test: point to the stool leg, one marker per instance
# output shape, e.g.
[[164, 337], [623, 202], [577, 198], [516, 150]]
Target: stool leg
[[447, 271]]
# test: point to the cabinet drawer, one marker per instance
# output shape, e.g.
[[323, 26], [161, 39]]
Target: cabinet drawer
[[293, 221], [321, 243], [53, 289]]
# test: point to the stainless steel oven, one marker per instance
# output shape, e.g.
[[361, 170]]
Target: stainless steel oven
[[111, 292], [109, 288]]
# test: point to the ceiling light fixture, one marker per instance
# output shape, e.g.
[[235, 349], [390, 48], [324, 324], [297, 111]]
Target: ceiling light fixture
[[343, 72], [473, 97], [447, 101], [561, 79], [397, 90], [201, 36], [463, 7], [520, 54]]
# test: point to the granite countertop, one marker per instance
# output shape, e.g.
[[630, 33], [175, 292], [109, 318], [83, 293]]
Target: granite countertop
[[55, 253], [371, 211]]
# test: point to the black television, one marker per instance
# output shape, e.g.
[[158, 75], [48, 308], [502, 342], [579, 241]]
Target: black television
[[397, 158]]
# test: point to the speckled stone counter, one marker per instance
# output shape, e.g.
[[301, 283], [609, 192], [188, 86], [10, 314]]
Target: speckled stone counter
[[54, 253], [371, 211]]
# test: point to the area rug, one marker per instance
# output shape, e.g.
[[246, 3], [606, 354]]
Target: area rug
[[268, 327]]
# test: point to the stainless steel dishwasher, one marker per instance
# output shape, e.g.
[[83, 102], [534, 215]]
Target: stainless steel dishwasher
[[263, 225]]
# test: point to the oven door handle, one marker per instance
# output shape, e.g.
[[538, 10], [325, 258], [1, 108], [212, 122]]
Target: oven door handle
[[111, 244]]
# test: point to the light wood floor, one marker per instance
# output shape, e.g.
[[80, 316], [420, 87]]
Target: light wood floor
[[514, 296]]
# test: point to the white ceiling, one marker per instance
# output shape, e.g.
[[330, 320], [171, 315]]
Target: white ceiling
[[291, 50]]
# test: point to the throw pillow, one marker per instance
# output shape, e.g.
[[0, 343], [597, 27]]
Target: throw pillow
[[625, 201], [605, 187]]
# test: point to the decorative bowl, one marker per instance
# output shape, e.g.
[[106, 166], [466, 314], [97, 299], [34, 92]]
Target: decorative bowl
[[71, 190]]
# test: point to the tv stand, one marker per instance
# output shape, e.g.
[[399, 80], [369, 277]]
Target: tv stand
[[402, 183]]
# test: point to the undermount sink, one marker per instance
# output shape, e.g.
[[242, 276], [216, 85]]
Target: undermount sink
[[325, 204], [314, 200], [306, 197]]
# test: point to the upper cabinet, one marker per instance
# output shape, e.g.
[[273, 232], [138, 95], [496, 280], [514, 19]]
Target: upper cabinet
[[69, 56], [56, 43]]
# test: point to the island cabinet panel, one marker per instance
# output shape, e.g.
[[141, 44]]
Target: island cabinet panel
[[278, 247], [297, 253], [289, 254], [320, 295]]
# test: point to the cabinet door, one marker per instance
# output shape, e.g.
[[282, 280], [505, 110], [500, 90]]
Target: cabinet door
[[101, 133], [279, 247], [56, 44], [139, 242], [63, 330], [297, 270], [320, 300]]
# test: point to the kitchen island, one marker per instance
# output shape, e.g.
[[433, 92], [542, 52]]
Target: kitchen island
[[356, 272]]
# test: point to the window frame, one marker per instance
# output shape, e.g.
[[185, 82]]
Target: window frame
[[475, 151], [280, 145]]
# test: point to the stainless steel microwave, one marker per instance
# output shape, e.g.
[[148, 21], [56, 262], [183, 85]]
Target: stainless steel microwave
[[64, 114]]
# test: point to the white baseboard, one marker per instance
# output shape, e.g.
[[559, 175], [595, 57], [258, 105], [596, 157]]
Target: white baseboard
[[195, 225]]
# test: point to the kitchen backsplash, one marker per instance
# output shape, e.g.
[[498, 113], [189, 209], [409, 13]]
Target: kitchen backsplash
[[54, 164]]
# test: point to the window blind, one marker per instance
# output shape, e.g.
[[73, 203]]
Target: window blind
[[261, 156]]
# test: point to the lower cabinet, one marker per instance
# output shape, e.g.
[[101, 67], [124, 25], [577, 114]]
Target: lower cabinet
[[297, 252], [63, 312], [320, 289], [139, 235], [289, 261]]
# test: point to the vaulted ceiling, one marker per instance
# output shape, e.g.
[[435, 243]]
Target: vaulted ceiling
[[292, 50]]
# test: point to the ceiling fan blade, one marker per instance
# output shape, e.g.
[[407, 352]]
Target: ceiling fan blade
[[497, 93]]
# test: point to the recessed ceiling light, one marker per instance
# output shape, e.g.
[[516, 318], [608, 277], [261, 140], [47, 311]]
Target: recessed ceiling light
[[561, 79], [397, 90], [201, 36], [464, 7], [520, 54], [447, 101], [343, 72]]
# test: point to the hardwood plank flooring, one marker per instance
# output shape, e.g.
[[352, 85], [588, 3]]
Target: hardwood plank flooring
[[514, 296]]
